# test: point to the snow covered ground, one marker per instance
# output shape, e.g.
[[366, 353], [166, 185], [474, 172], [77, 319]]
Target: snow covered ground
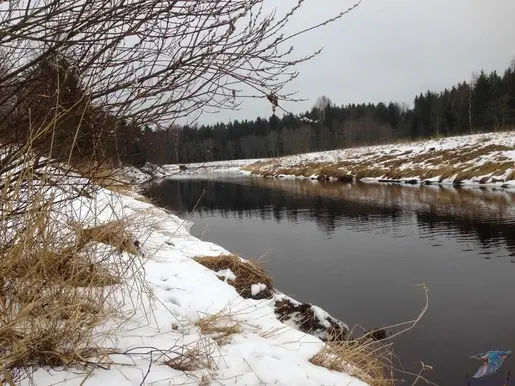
[[487, 159], [206, 168], [150, 172], [480, 159], [260, 351]]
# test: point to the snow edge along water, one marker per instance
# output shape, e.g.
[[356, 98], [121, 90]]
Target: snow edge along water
[[190, 291], [164, 331]]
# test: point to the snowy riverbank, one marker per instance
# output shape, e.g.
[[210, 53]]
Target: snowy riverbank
[[197, 329], [480, 159], [483, 159], [174, 337]]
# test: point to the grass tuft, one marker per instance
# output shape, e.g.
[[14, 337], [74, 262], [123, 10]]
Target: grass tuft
[[247, 272], [220, 327], [114, 233], [53, 295], [371, 362], [192, 357], [370, 356]]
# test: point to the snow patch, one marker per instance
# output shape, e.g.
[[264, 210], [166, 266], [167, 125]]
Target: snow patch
[[226, 274], [255, 289]]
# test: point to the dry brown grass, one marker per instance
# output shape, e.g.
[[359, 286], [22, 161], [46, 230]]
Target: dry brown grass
[[473, 153], [493, 168], [395, 163], [73, 266], [198, 355], [391, 169], [370, 362], [247, 272], [443, 163], [220, 326], [334, 171], [458, 155], [104, 174], [48, 316], [365, 171], [259, 166], [114, 233], [59, 281], [340, 171]]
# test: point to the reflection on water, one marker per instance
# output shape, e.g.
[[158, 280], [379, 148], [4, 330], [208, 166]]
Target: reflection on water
[[483, 217], [357, 250]]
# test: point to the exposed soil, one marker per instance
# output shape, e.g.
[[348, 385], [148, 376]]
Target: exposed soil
[[303, 316]]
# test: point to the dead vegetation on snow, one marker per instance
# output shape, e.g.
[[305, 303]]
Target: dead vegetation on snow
[[247, 272], [114, 233], [220, 326], [105, 174], [460, 164], [371, 363], [198, 355], [368, 356], [59, 280]]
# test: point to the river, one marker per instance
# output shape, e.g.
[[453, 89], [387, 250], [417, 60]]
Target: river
[[359, 251]]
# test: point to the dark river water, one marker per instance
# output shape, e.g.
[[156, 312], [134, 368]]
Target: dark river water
[[359, 251]]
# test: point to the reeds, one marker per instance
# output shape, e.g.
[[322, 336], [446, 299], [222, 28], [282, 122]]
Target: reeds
[[61, 275]]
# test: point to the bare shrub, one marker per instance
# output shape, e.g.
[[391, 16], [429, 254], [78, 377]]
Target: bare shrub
[[157, 61], [79, 83]]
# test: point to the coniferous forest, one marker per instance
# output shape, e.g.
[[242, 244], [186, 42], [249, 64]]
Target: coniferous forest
[[486, 103]]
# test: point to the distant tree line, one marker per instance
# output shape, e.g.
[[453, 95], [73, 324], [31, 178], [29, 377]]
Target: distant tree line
[[486, 103]]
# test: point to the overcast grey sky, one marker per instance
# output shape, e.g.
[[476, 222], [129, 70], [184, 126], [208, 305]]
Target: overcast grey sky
[[390, 50]]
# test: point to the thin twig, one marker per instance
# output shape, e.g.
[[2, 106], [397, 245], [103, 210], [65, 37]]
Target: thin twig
[[184, 220]]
